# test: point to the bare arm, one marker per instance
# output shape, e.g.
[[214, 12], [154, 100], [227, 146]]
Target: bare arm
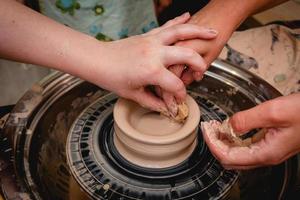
[[226, 16], [125, 67], [29, 37]]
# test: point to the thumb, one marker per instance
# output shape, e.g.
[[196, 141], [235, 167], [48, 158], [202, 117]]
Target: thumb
[[265, 115]]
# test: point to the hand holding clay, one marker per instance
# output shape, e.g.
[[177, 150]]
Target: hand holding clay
[[281, 120], [139, 61]]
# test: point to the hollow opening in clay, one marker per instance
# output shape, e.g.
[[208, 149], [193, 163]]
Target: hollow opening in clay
[[149, 139], [153, 123]]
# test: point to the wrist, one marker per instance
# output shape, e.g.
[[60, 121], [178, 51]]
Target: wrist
[[84, 58], [223, 16]]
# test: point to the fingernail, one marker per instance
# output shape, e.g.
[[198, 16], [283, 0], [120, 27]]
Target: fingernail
[[212, 31], [186, 14]]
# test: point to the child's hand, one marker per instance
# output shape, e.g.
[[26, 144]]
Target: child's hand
[[140, 61]]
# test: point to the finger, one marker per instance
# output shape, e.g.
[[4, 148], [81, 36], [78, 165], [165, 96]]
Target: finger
[[167, 97], [189, 76], [177, 69], [177, 20], [184, 32], [148, 100], [264, 115], [200, 46], [227, 154], [170, 83], [182, 19], [269, 151], [170, 102], [180, 55], [210, 134], [207, 49]]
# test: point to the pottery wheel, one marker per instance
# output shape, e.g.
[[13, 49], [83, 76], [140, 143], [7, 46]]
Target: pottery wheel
[[62, 132]]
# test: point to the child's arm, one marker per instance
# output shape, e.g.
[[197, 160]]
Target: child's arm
[[124, 66]]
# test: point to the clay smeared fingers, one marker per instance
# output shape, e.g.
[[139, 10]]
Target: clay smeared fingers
[[227, 154], [167, 97], [242, 157], [181, 32], [174, 55], [170, 102], [210, 135]]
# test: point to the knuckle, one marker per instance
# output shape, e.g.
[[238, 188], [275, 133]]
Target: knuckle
[[154, 70], [147, 47], [190, 54], [274, 111]]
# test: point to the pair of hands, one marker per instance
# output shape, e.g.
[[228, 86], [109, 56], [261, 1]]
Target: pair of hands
[[144, 60], [280, 117]]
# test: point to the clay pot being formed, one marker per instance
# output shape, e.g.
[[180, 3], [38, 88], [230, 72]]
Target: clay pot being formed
[[149, 139]]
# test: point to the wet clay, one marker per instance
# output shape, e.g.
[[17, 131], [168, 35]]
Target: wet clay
[[225, 131], [183, 112], [152, 140]]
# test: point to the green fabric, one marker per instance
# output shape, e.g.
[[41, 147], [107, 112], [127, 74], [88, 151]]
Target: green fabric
[[104, 19]]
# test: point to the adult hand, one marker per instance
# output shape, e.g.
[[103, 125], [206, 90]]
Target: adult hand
[[281, 119], [139, 61], [208, 49]]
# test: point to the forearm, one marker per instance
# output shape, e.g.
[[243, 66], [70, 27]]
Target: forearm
[[226, 16], [30, 37]]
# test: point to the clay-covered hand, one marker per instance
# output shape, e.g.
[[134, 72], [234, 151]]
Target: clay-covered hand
[[137, 62], [281, 119]]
